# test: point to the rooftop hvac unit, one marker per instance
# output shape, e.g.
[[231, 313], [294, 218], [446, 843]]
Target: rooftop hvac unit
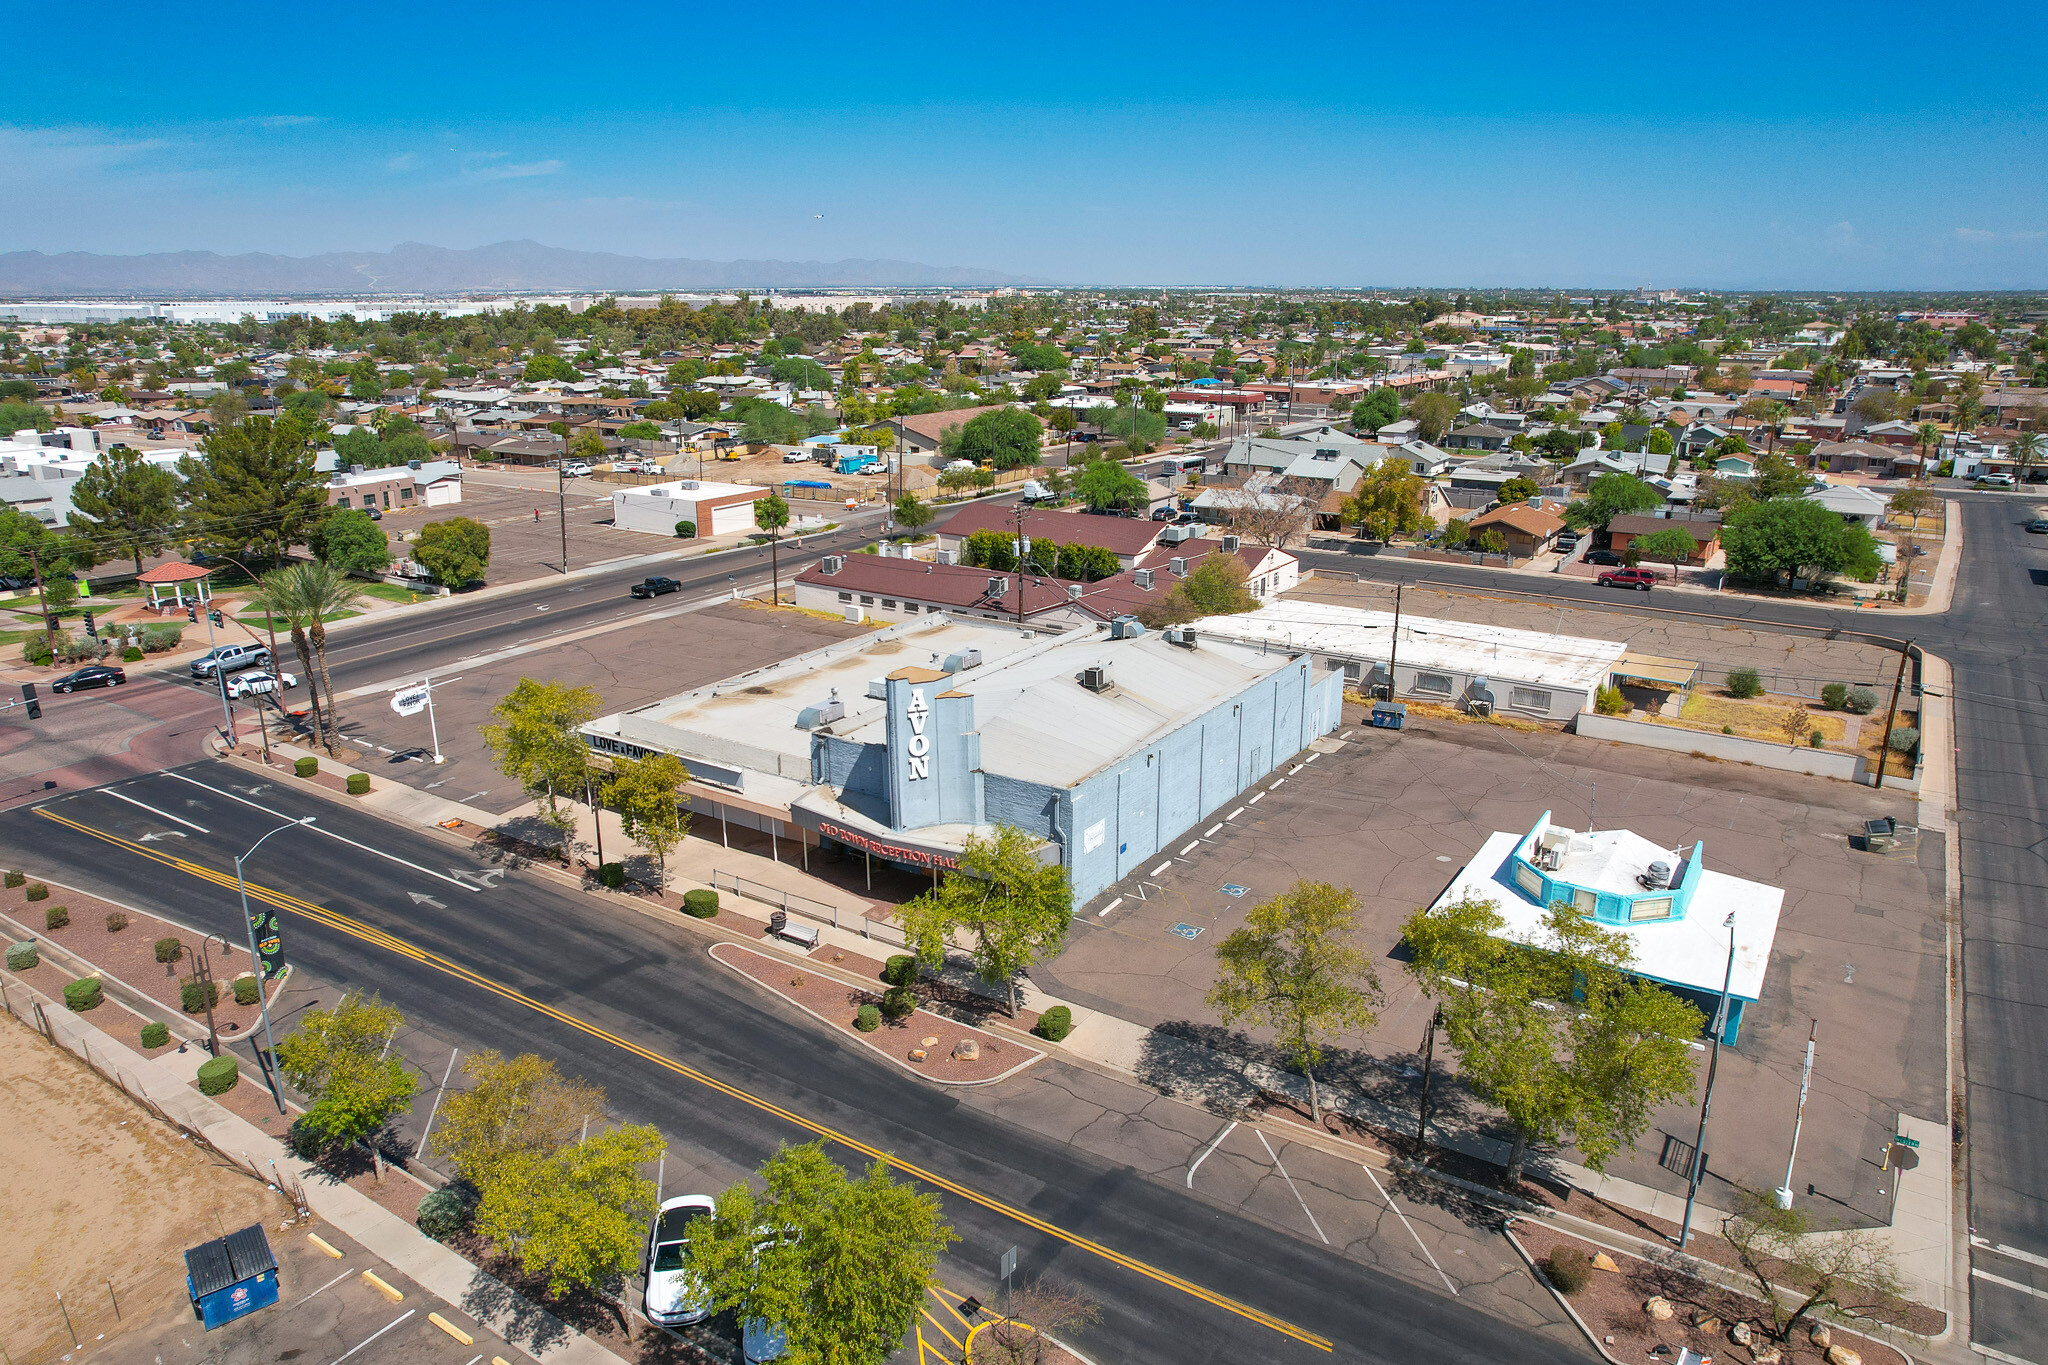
[[998, 586], [1126, 628], [1143, 578], [831, 564], [1073, 592], [1095, 678], [1175, 534], [949, 556], [1656, 878], [1230, 545], [1181, 635], [1479, 707], [811, 717], [878, 688], [961, 662], [1177, 566]]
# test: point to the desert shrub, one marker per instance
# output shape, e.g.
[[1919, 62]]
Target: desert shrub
[[898, 1002], [156, 1034], [1905, 739], [1727, 729], [56, 917], [15, 879], [1055, 1024], [867, 1019], [37, 892], [611, 875], [195, 995], [132, 655], [442, 1214], [1835, 696], [21, 956], [1862, 701], [1814, 740], [1609, 701], [358, 783], [169, 950], [245, 990], [217, 1075], [35, 651], [700, 904], [306, 1143], [306, 766], [1745, 682], [116, 921], [82, 994], [157, 639], [686, 530], [900, 970], [1568, 1269]]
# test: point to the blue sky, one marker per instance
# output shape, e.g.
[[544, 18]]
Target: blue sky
[[1789, 146]]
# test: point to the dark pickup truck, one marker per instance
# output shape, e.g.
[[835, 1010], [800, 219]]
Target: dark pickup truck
[[655, 587]]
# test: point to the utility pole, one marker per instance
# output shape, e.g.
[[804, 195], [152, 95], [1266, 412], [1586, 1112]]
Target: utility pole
[[49, 634], [1436, 1020], [1696, 1171], [1394, 647], [1884, 747], [562, 499]]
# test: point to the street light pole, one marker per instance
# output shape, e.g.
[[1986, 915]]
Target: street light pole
[[1798, 1118], [256, 962], [1699, 1142]]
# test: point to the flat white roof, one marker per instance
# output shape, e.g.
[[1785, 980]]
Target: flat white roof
[[1499, 652], [1690, 952], [690, 490]]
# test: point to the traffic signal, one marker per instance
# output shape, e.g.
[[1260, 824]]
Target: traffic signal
[[192, 615], [90, 628], [28, 695], [52, 622], [214, 616]]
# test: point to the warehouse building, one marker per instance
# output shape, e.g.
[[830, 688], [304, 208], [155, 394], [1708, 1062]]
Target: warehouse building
[[1110, 742], [713, 508]]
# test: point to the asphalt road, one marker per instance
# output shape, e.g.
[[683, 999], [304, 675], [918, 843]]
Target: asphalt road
[[532, 967]]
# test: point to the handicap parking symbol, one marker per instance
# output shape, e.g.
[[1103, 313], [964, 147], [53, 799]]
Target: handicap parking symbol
[[1233, 889], [1187, 931]]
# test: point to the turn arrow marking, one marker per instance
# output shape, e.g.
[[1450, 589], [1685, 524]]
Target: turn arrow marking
[[167, 834], [418, 899]]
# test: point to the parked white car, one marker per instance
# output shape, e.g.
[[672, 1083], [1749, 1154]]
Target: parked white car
[[576, 469], [674, 1297], [261, 683]]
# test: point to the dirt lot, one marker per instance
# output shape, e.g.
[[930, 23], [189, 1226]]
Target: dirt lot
[[99, 1191]]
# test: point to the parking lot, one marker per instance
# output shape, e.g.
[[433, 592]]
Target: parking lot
[[1394, 815], [521, 547]]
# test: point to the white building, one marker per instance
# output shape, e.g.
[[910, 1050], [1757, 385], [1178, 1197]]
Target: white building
[[713, 508]]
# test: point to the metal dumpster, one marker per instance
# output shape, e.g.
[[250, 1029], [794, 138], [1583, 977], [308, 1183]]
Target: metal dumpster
[[231, 1276], [1389, 715], [1887, 835]]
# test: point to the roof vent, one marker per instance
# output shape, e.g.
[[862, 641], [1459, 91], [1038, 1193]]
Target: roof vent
[[1126, 628], [1181, 635], [1073, 592], [1657, 877], [831, 564], [1230, 545], [1144, 579], [1096, 678]]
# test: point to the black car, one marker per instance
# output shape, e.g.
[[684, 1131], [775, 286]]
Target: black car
[[98, 675], [655, 587], [1162, 514], [1606, 557]]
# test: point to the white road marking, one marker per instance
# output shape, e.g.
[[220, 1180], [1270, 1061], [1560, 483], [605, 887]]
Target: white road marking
[[1984, 1350], [1227, 1128], [323, 1288], [1210, 832], [1345, 735], [1107, 908], [374, 1335], [1406, 1224], [392, 857], [1190, 848], [1234, 814], [1290, 1185], [1977, 1274], [1166, 866], [1276, 784], [154, 811], [2029, 1257], [437, 1098]]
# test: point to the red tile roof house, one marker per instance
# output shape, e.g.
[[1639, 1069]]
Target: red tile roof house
[[1526, 530], [888, 589], [1125, 537]]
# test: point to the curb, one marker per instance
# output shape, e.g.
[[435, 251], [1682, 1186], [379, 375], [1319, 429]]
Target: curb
[[1037, 1055], [1562, 1302]]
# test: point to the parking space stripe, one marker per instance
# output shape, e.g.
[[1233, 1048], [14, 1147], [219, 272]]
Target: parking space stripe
[[1166, 866], [1291, 1185], [390, 942], [1190, 848], [1408, 1225], [1228, 1128], [1210, 832], [373, 1336], [1107, 908]]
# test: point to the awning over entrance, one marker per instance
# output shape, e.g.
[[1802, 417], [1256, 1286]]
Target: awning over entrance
[[1657, 672]]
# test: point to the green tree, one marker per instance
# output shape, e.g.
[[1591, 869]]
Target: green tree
[[407, 446], [512, 1106], [1134, 425], [1778, 477], [1219, 585], [1014, 906], [1294, 968], [305, 595], [1375, 410], [124, 507], [535, 741], [1610, 496], [19, 416], [990, 549], [648, 793], [1433, 414], [455, 552], [1104, 484], [351, 542], [771, 514], [338, 1059], [839, 1265], [1796, 537], [1674, 547], [911, 513], [1009, 438], [1661, 442], [1083, 563], [252, 490], [359, 446], [640, 431], [1593, 1073], [1519, 489], [802, 371], [543, 368], [577, 1215], [1387, 500]]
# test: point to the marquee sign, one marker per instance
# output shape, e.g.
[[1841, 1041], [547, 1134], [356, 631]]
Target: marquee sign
[[919, 746], [886, 848]]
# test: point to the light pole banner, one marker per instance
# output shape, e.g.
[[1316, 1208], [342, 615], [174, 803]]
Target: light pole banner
[[269, 945], [410, 701]]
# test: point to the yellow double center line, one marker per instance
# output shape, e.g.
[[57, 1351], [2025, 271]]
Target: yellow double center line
[[378, 938]]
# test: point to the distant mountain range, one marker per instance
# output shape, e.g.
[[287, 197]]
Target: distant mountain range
[[416, 268]]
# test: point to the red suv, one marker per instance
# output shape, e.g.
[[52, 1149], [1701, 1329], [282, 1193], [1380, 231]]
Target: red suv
[[1628, 578]]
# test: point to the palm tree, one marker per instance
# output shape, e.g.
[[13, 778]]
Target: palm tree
[[1930, 441], [2026, 451], [305, 595]]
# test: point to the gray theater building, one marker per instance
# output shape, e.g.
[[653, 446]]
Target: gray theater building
[[1110, 744]]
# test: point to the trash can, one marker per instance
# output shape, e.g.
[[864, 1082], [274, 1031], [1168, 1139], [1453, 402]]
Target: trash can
[[1389, 715], [1879, 834], [232, 1276]]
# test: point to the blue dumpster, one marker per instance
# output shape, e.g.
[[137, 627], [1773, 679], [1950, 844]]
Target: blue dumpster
[[231, 1276], [1389, 715]]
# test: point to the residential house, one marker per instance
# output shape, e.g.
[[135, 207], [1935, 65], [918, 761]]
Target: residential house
[[1478, 436], [1705, 530], [1128, 538], [1862, 457], [1528, 530], [1854, 504]]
